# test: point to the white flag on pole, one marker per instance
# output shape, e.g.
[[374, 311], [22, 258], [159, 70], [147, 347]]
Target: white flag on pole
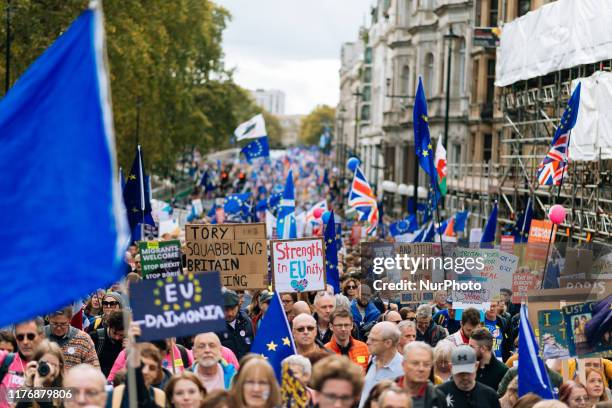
[[251, 129]]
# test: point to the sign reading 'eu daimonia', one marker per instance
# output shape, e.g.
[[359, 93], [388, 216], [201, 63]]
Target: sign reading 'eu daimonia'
[[178, 306]]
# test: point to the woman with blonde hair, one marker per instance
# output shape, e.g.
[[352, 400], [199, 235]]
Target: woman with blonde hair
[[256, 386], [595, 385], [185, 390]]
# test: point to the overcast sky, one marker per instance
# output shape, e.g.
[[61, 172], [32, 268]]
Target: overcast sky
[[291, 45]]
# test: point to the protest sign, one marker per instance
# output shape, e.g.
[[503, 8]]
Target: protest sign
[[539, 235], [424, 255], [507, 243], [524, 279], [579, 344], [198, 207], [552, 334], [178, 306], [160, 259], [293, 393], [479, 299], [169, 226], [475, 235], [237, 251], [507, 265], [298, 265]]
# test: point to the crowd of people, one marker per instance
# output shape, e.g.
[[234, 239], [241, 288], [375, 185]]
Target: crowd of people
[[353, 349]]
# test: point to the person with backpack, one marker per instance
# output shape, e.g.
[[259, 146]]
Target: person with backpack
[[28, 335], [109, 341]]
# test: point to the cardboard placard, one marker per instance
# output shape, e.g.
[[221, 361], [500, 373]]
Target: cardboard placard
[[552, 334], [524, 280], [160, 259], [576, 316], [478, 299], [237, 251], [298, 265], [507, 244], [178, 306]]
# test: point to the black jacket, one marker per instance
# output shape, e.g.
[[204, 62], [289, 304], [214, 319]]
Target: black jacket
[[480, 396], [328, 334], [240, 338], [107, 350], [432, 335]]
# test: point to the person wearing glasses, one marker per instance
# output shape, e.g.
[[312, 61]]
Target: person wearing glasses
[[88, 387], [343, 343], [210, 367], [574, 394], [337, 381], [111, 302], [386, 362], [350, 287], [463, 389], [76, 345], [28, 336], [417, 367], [304, 332], [109, 341], [256, 385]]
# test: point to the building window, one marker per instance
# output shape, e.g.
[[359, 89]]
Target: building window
[[490, 82], [407, 164], [389, 163], [488, 148], [367, 75], [365, 113], [405, 84], [461, 67], [368, 55], [475, 81], [429, 75], [524, 6], [493, 13], [478, 20], [366, 94]]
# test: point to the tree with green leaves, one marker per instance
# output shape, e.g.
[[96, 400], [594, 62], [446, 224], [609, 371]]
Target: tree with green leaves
[[166, 68], [313, 124]]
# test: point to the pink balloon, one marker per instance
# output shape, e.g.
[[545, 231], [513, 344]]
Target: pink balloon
[[318, 212], [556, 214]]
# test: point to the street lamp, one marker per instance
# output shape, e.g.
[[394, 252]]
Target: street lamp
[[340, 140], [450, 36]]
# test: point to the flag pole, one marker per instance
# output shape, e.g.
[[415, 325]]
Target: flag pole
[[554, 227], [436, 187]]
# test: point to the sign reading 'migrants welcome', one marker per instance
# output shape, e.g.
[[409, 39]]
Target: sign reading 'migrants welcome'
[[237, 251]]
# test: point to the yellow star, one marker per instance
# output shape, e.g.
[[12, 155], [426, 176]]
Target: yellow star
[[271, 346], [132, 177], [429, 146], [329, 241], [425, 153], [135, 210], [286, 341], [424, 118]]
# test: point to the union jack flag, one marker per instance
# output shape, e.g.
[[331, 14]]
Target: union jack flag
[[363, 200], [551, 169]]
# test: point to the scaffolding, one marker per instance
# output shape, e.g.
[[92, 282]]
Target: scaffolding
[[528, 114]]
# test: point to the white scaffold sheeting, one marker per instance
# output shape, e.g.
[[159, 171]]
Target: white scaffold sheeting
[[593, 129], [559, 35]]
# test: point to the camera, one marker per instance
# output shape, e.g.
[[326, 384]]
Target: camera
[[43, 368]]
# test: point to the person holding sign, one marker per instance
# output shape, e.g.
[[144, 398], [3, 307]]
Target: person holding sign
[[145, 359]]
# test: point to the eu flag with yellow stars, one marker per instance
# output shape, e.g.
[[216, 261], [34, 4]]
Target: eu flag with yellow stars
[[331, 254], [422, 140], [135, 194], [273, 340]]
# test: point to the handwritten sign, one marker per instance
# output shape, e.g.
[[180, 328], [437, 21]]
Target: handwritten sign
[[178, 306], [298, 265], [160, 259], [524, 279], [237, 251]]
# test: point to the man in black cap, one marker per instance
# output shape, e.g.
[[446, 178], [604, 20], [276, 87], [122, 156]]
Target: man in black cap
[[463, 390], [239, 334]]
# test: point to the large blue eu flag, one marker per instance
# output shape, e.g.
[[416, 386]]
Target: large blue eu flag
[[63, 224], [273, 339]]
